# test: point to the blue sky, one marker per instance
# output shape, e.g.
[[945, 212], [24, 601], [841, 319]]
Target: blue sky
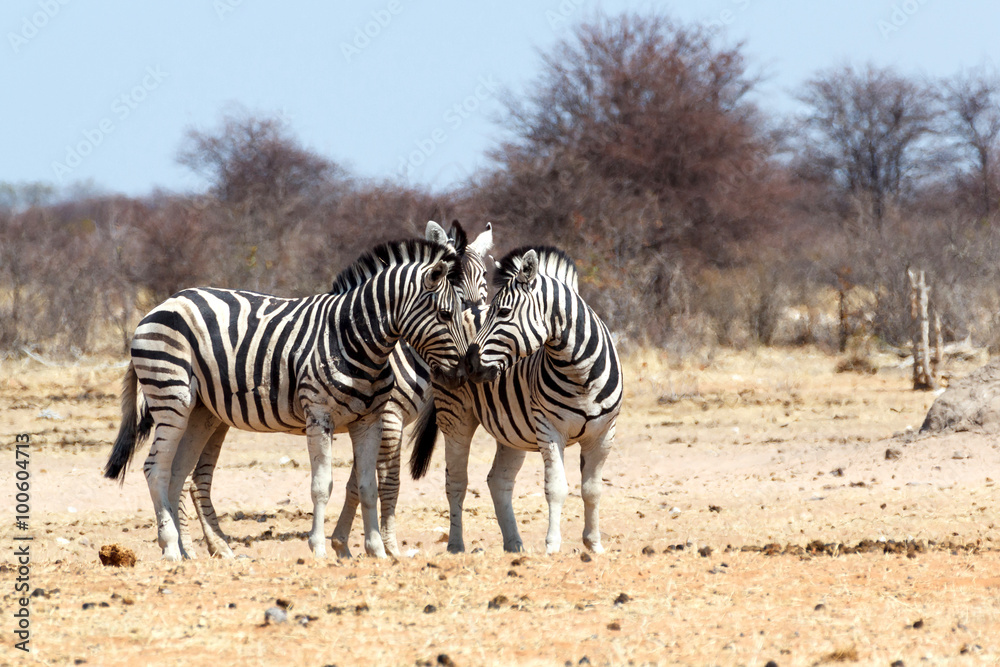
[[103, 92]]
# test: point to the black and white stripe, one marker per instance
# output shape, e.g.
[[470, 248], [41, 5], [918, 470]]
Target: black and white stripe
[[552, 378], [208, 359]]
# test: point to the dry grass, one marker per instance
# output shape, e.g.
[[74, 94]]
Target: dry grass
[[753, 449]]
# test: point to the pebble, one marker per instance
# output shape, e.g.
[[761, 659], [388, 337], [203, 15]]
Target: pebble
[[275, 615]]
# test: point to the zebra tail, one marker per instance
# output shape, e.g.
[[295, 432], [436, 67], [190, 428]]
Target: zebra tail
[[131, 432], [424, 435]]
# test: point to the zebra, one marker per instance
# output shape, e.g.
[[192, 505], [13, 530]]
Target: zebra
[[412, 392], [208, 359], [408, 398], [550, 376]]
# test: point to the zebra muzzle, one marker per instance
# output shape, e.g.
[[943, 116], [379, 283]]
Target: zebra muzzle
[[454, 378], [475, 369]]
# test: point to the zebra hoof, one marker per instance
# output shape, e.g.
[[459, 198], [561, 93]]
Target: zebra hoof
[[340, 548], [171, 553]]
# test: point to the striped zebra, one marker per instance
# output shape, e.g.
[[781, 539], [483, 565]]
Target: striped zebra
[[412, 392], [209, 359], [408, 398], [550, 378]]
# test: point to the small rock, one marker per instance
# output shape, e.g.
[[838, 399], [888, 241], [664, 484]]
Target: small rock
[[443, 659], [275, 615], [705, 552], [497, 601], [819, 607], [892, 454], [585, 557], [622, 599], [918, 624], [614, 625], [284, 604], [430, 609], [648, 551]]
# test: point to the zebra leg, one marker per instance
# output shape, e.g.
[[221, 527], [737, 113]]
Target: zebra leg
[[593, 454], [170, 422], [506, 465], [366, 437], [183, 524], [388, 488], [556, 489], [201, 425], [343, 530], [456, 453], [388, 477], [201, 495], [319, 436]]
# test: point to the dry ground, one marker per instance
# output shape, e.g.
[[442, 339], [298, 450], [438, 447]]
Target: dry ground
[[770, 448]]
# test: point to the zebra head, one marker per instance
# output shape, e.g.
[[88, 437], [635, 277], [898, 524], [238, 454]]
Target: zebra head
[[515, 325], [435, 327], [411, 294], [472, 288]]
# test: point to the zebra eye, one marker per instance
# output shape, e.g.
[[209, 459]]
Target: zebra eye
[[504, 312], [445, 315]]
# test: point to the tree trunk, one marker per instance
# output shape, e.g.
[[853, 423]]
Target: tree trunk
[[923, 376]]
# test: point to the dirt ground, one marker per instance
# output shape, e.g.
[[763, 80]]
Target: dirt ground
[[752, 513]]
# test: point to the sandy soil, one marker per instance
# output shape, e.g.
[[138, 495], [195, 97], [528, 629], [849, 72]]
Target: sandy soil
[[734, 503]]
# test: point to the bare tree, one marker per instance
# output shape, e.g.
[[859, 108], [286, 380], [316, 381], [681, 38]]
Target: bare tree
[[265, 186], [972, 103], [867, 132], [254, 159], [650, 107]]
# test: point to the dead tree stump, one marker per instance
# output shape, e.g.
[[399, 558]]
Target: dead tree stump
[[924, 372]]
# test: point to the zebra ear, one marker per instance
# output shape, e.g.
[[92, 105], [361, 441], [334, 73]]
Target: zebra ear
[[436, 275], [436, 233], [483, 242], [529, 267]]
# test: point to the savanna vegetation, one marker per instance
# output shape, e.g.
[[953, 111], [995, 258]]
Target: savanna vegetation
[[698, 217]]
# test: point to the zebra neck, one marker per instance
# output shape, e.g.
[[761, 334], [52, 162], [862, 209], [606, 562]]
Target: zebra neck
[[570, 327], [363, 326]]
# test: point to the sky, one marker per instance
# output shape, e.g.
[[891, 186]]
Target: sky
[[102, 93]]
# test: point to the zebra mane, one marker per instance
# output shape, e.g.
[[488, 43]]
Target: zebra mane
[[395, 253], [552, 262]]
